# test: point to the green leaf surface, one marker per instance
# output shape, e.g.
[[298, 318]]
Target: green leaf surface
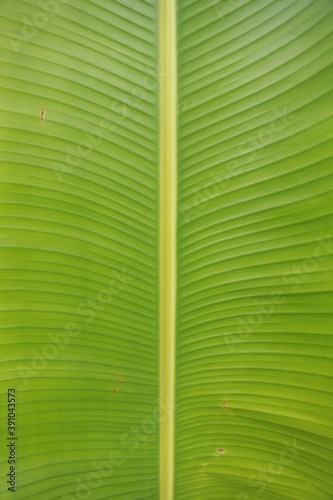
[[254, 284], [81, 251]]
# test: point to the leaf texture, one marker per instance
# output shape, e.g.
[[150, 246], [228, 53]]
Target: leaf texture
[[79, 277], [254, 354], [80, 257]]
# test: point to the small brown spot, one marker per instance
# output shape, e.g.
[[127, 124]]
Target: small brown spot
[[121, 382], [220, 450]]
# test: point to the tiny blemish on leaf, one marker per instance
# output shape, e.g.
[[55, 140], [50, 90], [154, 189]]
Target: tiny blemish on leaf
[[121, 382], [220, 450]]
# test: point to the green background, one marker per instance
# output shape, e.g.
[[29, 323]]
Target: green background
[[79, 248]]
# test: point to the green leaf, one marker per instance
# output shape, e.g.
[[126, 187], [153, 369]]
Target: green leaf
[[166, 249]]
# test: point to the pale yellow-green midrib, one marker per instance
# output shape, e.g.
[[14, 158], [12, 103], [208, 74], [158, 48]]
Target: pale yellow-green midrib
[[168, 203]]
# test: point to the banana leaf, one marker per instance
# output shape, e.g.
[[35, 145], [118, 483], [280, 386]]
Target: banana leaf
[[166, 249]]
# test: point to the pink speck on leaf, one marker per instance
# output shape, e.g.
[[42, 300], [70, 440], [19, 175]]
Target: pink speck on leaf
[[220, 450]]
